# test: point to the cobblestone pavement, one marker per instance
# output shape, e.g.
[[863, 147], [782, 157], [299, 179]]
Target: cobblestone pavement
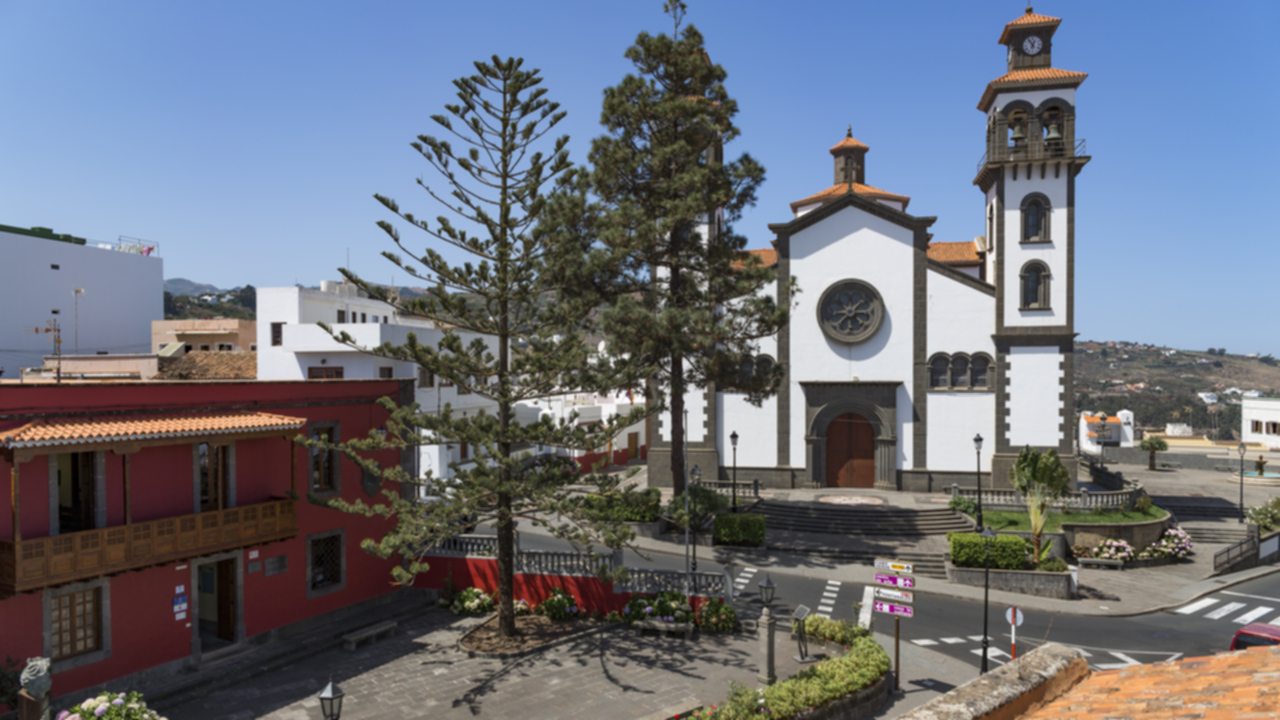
[[419, 673]]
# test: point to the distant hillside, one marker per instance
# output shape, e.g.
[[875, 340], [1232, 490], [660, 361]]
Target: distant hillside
[[1160, 385], [183, 286]]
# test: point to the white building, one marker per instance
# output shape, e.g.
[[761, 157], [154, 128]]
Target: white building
[[121, 290], [900, 351], [1208, 397], [1098, 430], [1260, 421]]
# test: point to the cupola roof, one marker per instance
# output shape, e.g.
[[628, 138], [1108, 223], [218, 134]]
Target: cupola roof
[[1028, 21]]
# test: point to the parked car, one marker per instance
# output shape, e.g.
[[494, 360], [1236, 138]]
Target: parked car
[[1256, 635]]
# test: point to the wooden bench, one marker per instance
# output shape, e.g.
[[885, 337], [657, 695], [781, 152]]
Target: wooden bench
[[1101, 563], [353, 638]]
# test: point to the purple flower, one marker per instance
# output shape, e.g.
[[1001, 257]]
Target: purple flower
[[102, 710], [649, 610], [63, 715], [626, 610], [117, 701]]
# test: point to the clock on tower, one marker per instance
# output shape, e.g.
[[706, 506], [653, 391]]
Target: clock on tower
[[1029, 39]]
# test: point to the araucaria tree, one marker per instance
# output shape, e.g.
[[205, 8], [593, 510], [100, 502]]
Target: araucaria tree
[[690, 303], [521, 341], [1041, 479]]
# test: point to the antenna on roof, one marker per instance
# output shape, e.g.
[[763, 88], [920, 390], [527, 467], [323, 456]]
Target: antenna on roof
[[51, 326]]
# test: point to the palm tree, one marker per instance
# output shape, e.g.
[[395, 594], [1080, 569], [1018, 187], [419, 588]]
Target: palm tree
[[1041, 479], [1153, 445]]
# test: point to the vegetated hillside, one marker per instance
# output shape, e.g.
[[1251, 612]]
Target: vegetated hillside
[[1159, 384], [183, 286]]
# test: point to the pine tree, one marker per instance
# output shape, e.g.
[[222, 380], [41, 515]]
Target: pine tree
[[520, 344], [688, 301]]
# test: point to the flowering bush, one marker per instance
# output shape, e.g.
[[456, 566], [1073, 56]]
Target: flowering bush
[[1174, 543], [560, 606], [666, 606], [522, 607], [472, 601], [716, 616], [111, 706], [840, 632], [1108, 550]]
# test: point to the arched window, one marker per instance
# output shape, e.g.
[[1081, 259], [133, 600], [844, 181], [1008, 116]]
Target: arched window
[[978, 368], [960, 371], [938, 371], [1035, 286], [1035, 218]]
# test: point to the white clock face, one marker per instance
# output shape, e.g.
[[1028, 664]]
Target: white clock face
[[1032, 45]]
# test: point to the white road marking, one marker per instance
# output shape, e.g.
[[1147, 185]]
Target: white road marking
[[976, 638], [1116, 666], [991, 652], [1224, 611], [829, 595], [868, 601], [1255, 597], [1196, 606], [1253, 614], [952, 640], [925, 643]]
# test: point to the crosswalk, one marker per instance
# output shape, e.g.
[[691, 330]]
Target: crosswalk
[[1217, 608], [744, 578], [827, 604], [1098, 659]]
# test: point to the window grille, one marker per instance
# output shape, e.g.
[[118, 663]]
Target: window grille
[[76, 620], [326, 562]]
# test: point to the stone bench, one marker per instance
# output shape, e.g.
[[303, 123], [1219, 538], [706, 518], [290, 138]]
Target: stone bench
[[355, 637], [1101, 563], [660, 627]]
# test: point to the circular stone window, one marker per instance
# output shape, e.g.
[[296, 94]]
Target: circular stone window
[[851, 311]]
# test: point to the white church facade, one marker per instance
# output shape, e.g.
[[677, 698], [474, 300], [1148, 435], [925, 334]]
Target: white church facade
[[901, 350]]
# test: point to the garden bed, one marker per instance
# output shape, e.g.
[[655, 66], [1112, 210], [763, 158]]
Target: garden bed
[[1028, 582], [1004, 520], [534, 633]]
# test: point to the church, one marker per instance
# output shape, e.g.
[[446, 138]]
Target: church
[[901, 351]]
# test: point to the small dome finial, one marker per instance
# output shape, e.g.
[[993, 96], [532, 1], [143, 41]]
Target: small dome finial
[[849, 133], [1028, 8]]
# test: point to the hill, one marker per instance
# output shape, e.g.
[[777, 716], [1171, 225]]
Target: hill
[[1160, 384], [183, 286]]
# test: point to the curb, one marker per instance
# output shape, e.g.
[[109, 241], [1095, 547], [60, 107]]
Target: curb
[[528, 651], [1161, 608]]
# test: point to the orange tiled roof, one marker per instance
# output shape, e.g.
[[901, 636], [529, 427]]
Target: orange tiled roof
[[848, 142], [210, 366], [768, 257], [1029, 78], [1231, 685], [954, 253], [858, 188], [1026, 21], [44, 433]]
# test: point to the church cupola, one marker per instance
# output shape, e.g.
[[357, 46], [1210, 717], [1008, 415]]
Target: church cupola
[[1030, 39], [850, 160]]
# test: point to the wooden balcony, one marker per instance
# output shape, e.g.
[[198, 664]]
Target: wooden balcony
[[42, 562]]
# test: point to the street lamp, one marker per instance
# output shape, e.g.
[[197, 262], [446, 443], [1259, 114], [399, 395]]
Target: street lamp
[[331, 701], [987, 535], [696, 475], [1241, 450], [733, 440], [767, 628], [767, 588], [977, 450]]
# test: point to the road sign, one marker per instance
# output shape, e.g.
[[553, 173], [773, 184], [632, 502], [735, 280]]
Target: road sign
[[892, 609], [1013, 616], [896, 581], [894, 566], [905, 596]]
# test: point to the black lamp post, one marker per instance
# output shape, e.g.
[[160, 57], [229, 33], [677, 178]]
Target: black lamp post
[[977, 451], [331, 701], [733, 440], [987, 535], [1241, 450], [696, 475], [766, 590]]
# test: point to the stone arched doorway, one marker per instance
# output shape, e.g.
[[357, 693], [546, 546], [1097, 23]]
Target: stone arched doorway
[[851, 452]]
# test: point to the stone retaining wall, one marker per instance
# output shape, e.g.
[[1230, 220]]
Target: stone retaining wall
[[1027, 582], [1139, 535]]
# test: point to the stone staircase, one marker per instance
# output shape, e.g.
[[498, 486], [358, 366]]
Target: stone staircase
[[1192, 508], [1219, 533]]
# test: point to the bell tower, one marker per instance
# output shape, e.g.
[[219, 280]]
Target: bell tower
[[1028, 178]]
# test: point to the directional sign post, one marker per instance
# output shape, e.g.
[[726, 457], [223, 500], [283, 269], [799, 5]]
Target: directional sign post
[[896, 566], [900, 605], [1013, 616], [896, 580], [902, 596]]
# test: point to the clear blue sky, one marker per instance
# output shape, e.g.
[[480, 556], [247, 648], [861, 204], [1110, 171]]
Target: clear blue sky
[[248, 138]]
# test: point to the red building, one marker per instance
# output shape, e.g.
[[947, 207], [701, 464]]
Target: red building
[[149, 526]]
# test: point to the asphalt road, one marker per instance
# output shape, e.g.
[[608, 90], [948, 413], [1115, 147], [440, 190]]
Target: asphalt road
[[954, 626]]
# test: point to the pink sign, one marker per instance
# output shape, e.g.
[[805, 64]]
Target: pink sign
[[903, 610], [896, 581]]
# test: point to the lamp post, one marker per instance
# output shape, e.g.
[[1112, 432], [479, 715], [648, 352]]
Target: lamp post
[[696, 474], [987, 535], [1241, 450], [733, 440], [767, 628], [77, 292], [977, 450], [331, 701]]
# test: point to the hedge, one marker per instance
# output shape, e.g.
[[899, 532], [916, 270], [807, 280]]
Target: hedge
[[1008, 552], [745, 529]]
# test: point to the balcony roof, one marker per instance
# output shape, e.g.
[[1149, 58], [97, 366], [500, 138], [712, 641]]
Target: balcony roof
[[63, 435]]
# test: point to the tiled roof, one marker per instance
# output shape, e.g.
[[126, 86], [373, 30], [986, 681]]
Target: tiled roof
[[768, 257], [1026, 21], [45, 433], [954, 253], [1240, 684], [849, 142], [1027, 78], [210, 366], [843, 188]]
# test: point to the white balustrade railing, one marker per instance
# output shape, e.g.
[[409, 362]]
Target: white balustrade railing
[[648, 581], [1082, 499]]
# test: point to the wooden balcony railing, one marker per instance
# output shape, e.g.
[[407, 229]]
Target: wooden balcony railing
[[41, 562]]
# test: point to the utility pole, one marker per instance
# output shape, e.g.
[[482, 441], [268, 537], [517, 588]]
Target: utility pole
[[77, 293]]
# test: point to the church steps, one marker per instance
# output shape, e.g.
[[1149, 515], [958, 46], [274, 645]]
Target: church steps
[[875, 522]]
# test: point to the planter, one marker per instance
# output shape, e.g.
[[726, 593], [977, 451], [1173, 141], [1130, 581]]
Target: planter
[[1057, 541], [651, 530], [1139, 535], [866, 703], [1027, 582], [664, 628]]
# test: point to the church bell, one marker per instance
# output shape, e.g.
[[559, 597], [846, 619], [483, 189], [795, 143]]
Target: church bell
[[1054, 133], [1019, 133]]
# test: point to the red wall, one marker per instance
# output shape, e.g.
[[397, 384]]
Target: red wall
[[593, 593]]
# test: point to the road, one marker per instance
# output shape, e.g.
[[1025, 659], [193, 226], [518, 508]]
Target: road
[[954, 626]]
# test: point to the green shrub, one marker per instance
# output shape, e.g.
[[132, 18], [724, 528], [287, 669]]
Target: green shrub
[[840, 632], [1054, 565], [716, 616], [472, 601], [1008, 552], [629, 507], [666, 606], [10, 672], [1143, 504], [813, 687], [1266, 515], [745, 529], [963, 504], [560, 605]]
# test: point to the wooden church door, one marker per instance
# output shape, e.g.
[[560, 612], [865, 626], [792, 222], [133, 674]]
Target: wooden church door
[[851, 452]]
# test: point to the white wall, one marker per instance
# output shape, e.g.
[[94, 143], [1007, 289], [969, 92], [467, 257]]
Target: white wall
[[1264, 410], [961, 318], [124, 292], [1052, 254], [954, 418], [1035, 380], [757, 430]]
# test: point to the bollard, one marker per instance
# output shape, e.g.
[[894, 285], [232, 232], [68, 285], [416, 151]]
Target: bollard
[[766, 631]]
